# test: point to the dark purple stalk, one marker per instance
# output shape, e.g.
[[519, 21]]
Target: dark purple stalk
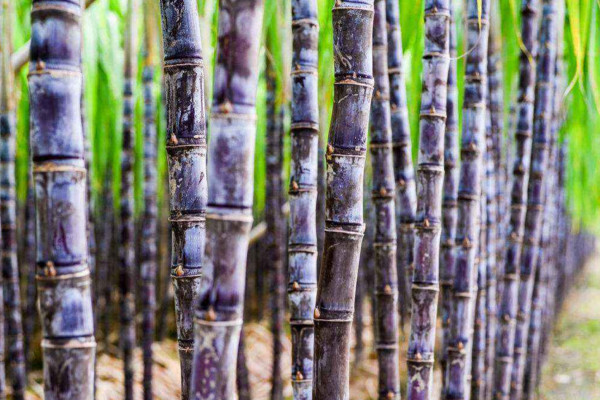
[[243, 375], [383, 191], [425, 281], [219, 315], [276, 227], [60, 182], [514, 234], [186, 153], [542, 138], [346, 150], [544, 264], [477, 378], [302, 249], [148, 256], [127, 230], [490, 231], [105, 258], [404, 174], [472, 172], [450, 198], [494, 189], [8, 216], [28, 263]]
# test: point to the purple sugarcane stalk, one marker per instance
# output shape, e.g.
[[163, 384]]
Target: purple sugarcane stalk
[[219, 315], [430, 175], [383, 191], [494, 188], [464, 290], [106, 235], [127, 270], [346, 150], [404, 175], [514, 234], [148, 253], [477, 377], [542, 138], [302, 248], [542, 272], [57, 149], [275, 220], [28, 261], [450, 198], [186, 157], [8, 215]]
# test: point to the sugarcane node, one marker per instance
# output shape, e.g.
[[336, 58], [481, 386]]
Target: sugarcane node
[[49, 270], [329, 149], [387, 289], [466, 242], [210, 314], [226, 107]]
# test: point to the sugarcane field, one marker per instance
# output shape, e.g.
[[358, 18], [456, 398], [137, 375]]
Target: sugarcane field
[[300, 199]]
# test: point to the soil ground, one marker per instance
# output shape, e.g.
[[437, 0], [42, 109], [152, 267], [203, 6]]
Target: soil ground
[[572, 369]]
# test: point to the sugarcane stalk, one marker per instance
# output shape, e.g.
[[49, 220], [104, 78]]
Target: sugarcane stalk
[[477, 377], [542, 139], [383, 191], [450, 197], [494, 189], [127, 270], [243, 375], [148, 256], [186, 152], [430, 175], [540, 285], [275, 241], [406, 196], [514, 235], [345, 156], [489, 227], [8, 210], [105, 247], [303, 193], [57, 150], [465, 285], [218, 318], [28, 261]]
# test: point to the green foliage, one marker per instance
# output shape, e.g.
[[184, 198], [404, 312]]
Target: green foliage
[[103, 66]]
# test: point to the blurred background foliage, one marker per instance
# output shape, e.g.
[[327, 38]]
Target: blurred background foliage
[[103, 66]]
